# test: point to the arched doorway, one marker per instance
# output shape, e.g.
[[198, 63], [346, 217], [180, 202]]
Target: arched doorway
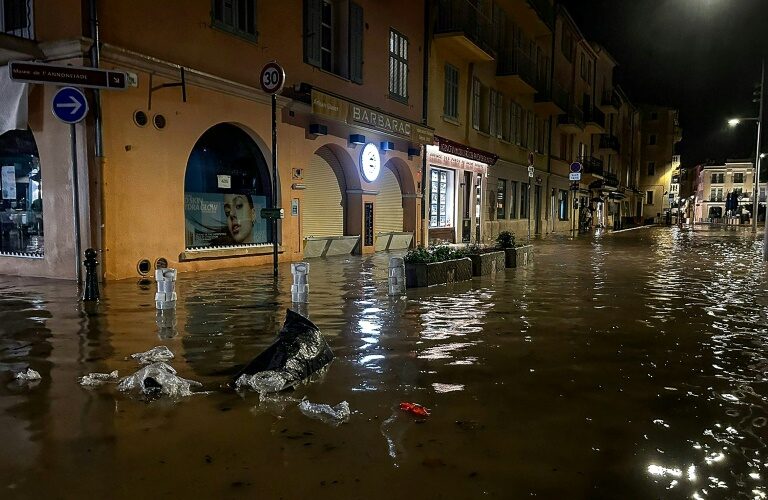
[[226, 185], [396, 208], [21, 204], [388, 216]]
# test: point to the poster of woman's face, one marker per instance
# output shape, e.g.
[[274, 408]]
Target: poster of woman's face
[[221, 219]]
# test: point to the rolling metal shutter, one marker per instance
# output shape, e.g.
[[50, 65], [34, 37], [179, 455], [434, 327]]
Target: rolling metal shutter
[[323, 213], [388, 216]]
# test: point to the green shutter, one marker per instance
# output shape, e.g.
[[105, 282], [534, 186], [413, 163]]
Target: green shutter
[[313, 15], [356, 28]]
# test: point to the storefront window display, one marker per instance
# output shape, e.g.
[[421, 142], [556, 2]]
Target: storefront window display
[[226, 185], [21, 206], [441, 198]]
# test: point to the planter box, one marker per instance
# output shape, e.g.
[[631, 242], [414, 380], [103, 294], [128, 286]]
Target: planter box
[[487, 263], [519, 256], [437, 273]]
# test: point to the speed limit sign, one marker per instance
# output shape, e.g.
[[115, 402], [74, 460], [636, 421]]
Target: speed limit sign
[[272, 78]]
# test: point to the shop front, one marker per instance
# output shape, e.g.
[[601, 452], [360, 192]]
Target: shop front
[[457, 180]]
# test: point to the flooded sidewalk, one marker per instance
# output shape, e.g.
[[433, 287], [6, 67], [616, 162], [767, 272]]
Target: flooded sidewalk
[[628, 365]]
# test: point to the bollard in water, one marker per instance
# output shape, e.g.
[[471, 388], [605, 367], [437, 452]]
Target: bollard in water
[[300, 286], [396, 276], [165, 298], [91, 292], [166, 323]]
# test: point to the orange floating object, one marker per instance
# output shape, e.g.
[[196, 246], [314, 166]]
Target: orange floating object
[[415, 408]]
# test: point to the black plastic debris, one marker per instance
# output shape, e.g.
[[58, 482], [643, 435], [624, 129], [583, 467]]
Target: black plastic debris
[[299, 351]]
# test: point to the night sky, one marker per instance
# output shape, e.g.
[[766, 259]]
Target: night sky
[[700, 56]]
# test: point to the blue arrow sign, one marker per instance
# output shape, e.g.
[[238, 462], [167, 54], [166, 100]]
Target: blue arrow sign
[[69, 105]]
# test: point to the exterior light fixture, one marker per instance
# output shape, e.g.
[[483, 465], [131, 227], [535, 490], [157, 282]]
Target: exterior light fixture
[[733, 122], [318, 129], [357, 139], [387, 146]]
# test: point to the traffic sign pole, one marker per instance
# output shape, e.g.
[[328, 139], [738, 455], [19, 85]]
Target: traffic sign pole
[[76, 203]]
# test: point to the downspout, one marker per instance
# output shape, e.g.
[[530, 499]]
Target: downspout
[[425, 120], [552, 96], [95, 56]]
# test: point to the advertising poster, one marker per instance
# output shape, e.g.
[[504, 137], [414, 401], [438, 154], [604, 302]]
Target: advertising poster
[[217, 219], [8, 180]]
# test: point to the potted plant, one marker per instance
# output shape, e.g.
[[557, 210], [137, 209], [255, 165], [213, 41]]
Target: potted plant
[[515, 255], [485, 260], [437, 265]]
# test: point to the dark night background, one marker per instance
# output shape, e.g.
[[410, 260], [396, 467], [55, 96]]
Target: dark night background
[[700, 56]]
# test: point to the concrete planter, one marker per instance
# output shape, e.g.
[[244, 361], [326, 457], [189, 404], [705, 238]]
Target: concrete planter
[[437, 273], [487, 263], [519, 256]]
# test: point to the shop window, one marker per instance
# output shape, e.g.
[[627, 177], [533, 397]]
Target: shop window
[[451, 100], [738, 178], [236, 16], [562, 205], [501, 199], [333, 37], [21, 215], [226, 185], [398, 66], [525, 201], [513, 199], [651, 168], [441, 198], [649, 197]]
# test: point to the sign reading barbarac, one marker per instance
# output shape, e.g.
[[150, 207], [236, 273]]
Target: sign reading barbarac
[[355, 114], [454, 148]]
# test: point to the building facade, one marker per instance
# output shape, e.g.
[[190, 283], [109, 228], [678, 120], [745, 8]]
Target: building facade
[[661, 133], [725, 191]]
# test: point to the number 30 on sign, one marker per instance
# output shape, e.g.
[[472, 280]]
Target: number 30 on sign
[[272, 78]]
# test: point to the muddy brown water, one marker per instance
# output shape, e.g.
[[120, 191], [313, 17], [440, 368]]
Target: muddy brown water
[[631, 365]]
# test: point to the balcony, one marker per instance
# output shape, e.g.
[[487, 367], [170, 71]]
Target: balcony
[[545, 11], [592, 166], [610, 143], [515, 71], [611, 181], [611, 102], [572, 122], [17, 32], [550, 100], [594, 121], [463, 30]]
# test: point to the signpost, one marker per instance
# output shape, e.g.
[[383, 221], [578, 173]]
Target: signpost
[[81, 76], [272, 80], [531, 172]]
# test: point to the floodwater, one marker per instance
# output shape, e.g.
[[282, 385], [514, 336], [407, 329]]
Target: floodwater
[[631, 365]]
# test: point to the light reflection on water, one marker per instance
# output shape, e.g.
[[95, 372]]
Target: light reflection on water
[[629, 365]]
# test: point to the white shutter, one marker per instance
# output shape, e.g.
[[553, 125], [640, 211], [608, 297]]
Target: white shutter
[[388, 213], [323, 213]]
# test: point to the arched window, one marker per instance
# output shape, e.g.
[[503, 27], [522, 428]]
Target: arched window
[[21, 206], [226, 185]]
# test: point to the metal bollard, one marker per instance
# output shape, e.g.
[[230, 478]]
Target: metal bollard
[[165, 319], [300, 286], [165, 298], [396, 276], [91, 292]]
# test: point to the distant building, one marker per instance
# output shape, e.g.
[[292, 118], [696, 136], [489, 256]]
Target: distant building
[[660, 133], [716, 182]]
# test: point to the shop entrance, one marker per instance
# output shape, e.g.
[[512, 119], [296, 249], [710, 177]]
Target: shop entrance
[[478, 206], [537, 208], [466, 221]]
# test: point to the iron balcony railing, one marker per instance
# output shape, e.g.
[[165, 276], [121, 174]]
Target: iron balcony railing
[[610, 179], [461, 16], [16, 18], [574, 115], [545, 10], [591, 165], [611, 98], [608, 141], [594, 115], [516, 63]]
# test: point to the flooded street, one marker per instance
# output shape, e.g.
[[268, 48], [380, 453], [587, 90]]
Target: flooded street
[[631, 365]]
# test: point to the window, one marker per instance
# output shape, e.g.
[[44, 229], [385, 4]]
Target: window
[[235, 16], [654, 115], [513, 199], [563, 146], [501, 199], [738, 192], [21, 205], [16, 18], [530, 130], [225, 187], [738, 178], [566, 45], [451, 100], [649, 197], [481, 106], [398, 66], [718, 178], [525, 201], [541, 135], [333, 37], [476, 104], [716, 194], [562, 205], [652, 140], [651, 168], [441, 198], [494, 127]]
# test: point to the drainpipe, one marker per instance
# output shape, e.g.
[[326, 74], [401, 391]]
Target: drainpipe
[[95, 56], [425, 120], [552, 96]]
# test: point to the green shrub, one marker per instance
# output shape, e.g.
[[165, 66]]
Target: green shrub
[[440, 253], [505, 239], [419, 255]]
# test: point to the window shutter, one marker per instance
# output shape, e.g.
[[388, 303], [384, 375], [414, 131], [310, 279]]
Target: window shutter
[[356, 27], [313, 11]]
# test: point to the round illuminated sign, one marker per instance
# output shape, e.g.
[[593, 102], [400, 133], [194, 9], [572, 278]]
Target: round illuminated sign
[[370, 162]]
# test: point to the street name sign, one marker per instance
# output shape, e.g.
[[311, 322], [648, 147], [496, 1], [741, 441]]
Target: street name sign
[[79, 76], [272, 213], [530, 171], [574, 176], [69, 105]]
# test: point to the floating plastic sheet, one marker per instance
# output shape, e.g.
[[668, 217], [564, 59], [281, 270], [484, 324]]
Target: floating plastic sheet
[[331, 415], [157, 379], [159, 353], [97, 379], [28, 376], [299, 352]]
